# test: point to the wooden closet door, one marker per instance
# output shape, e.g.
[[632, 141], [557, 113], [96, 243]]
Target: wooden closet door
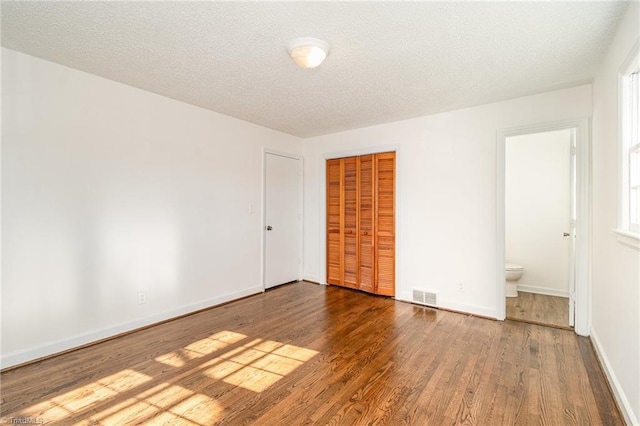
[[361, 223], [334, 221], [366, 222], [350, 229], [385, 241]]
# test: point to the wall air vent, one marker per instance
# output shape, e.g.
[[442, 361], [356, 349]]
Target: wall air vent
[[423, 297]]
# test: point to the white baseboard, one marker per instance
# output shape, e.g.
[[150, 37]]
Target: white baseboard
[[312, 278], [34, 353], [468, 308], [543, 290], [458, 307], [627, 412]]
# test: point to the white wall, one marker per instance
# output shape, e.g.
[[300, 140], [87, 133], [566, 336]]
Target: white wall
[[537, 209], [615, 267], [108, 190], [446, 170]]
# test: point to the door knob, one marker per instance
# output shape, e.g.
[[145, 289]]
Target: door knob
[[269, 227], [566, 234]]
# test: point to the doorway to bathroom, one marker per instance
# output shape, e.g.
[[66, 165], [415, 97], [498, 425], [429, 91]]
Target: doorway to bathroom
[[542, 224]]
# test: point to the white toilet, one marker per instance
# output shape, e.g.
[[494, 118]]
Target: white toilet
[[512, 272]]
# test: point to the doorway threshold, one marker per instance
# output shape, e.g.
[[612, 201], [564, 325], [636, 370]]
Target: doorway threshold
[[544, 324]]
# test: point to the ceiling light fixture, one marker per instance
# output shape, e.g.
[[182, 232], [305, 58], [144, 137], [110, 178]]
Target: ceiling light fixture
[[308, 52]]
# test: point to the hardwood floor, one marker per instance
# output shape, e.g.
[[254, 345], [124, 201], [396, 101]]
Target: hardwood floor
[[310, 354], [539, 309]]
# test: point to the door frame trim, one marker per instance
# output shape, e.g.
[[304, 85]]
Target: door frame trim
[[322, 273], [263, 219], [583, 215]]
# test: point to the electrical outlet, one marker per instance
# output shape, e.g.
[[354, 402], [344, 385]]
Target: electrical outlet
[[460, 286], [142, 297]]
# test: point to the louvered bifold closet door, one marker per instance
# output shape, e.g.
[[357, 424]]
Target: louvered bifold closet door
[[366, 266], [385, 241], [361, 223], [334, 222]]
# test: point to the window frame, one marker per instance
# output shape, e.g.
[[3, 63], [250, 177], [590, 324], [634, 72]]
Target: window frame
[[629, 141]]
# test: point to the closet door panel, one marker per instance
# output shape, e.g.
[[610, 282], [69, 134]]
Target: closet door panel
[[334, 235], [366, 201], [350, 206], [385, 223]]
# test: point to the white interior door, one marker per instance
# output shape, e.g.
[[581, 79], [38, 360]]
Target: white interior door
[[283, 218]]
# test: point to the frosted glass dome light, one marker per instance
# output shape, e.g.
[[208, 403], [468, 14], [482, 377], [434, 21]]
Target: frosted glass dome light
[[308, 52]]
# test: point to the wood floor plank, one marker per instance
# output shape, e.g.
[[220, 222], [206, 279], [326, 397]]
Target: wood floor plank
[[310, 354]]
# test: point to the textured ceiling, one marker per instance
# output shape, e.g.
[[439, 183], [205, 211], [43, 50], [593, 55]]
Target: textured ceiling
[[388, 60]]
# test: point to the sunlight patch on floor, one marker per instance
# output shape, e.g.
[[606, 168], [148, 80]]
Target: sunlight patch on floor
[[200, 348], [159, 405], [173, 359], [257, 365], [128, 396], [213, 343], [86, 396]]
